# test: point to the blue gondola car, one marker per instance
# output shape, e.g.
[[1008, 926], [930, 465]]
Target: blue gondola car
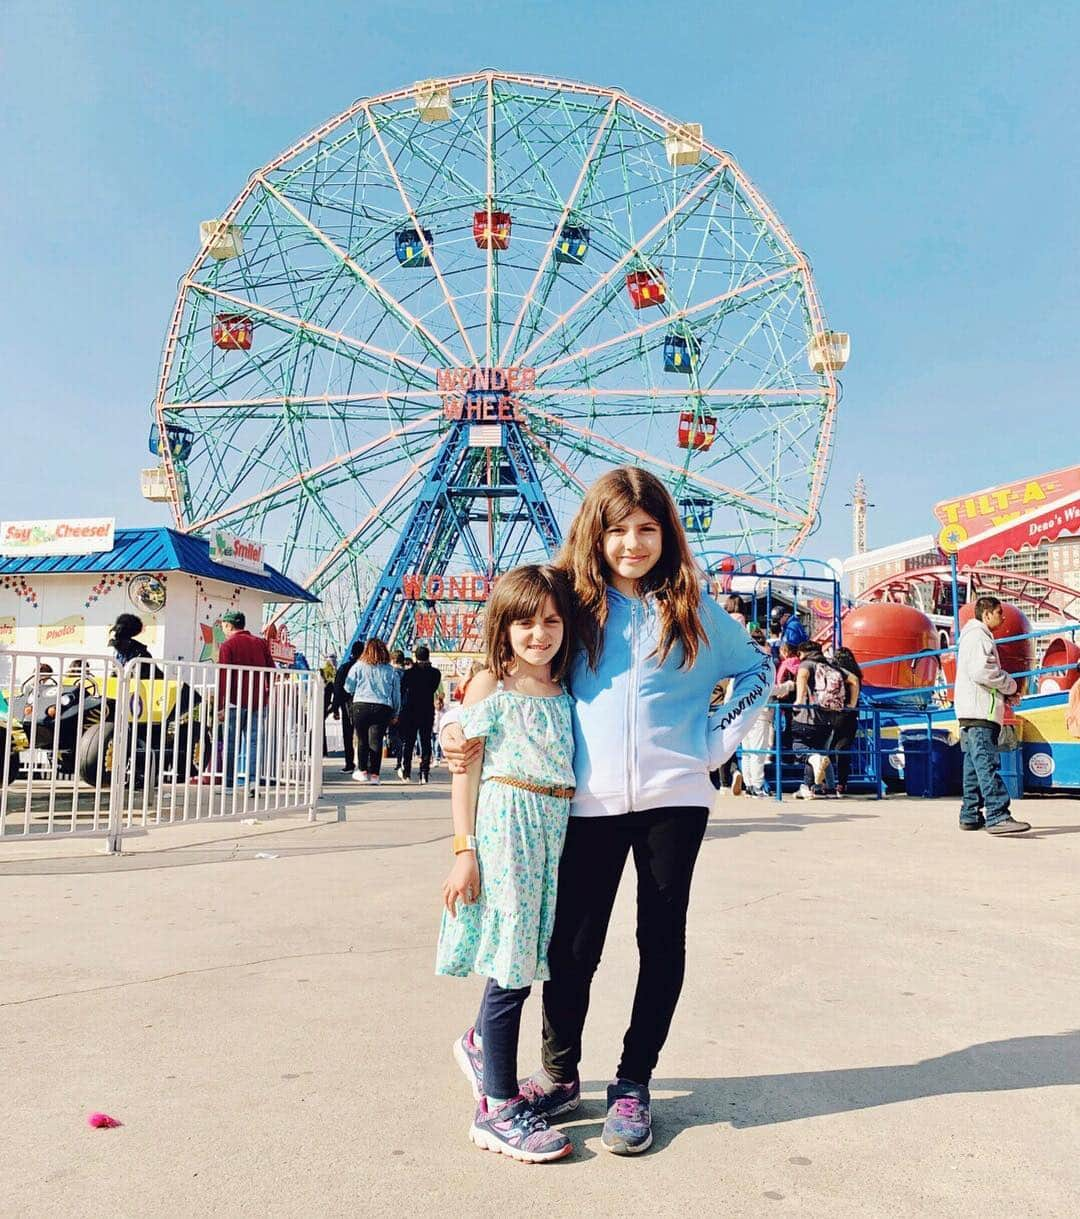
[[410, 249], [180, 440], [696, 514], [573, 244], [681, 353]]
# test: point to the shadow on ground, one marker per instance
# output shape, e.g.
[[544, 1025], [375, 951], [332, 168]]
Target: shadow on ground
[[1046, 1061]]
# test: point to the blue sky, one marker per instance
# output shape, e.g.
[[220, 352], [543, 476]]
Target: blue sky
[[922, 154]]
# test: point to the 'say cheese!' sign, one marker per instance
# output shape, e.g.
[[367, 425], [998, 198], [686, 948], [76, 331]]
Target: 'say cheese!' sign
[[67, 536]]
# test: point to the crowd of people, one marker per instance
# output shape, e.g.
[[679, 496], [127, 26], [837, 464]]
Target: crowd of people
[[387, 702]]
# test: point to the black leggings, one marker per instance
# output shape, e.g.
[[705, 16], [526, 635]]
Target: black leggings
[[498, 1023], [369, 724], [665, 843]]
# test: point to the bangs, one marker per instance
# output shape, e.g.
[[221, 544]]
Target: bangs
[[521, 594]]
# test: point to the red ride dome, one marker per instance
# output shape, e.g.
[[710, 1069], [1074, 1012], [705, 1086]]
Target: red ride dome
[[882, 629]]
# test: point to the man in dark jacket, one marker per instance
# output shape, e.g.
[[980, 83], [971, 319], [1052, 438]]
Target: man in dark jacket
[[343, 702], [242, 696], [419, 683]]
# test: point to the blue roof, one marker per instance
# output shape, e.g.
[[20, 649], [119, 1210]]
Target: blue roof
[[157, 550]]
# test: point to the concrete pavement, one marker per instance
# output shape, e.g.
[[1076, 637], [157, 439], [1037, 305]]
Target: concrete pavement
[[880, 1018]]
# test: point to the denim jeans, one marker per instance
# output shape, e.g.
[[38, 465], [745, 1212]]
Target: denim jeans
[[983, 785], [241, 742]]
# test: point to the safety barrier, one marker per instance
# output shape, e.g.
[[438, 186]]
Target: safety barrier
[[90, 747], [871, 755]]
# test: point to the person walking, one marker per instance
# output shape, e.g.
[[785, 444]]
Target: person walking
[[653, 648], [845, 724], [419, 685], [374, 686], [500, 893], [343, 704], [124, 642], [982, 690], [242, 697]]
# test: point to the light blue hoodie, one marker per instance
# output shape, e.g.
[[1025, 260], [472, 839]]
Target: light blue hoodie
[[644, 736]]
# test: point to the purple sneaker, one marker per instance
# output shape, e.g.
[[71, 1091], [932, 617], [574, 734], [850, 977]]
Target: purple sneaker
[[470, 1058], [548, 1098], [628, 1126], [517, 1130]]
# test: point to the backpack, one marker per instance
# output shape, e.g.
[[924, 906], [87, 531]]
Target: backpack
[[830, 688]]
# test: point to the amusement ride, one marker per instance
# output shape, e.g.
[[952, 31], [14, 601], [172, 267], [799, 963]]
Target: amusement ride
[[414, 338]]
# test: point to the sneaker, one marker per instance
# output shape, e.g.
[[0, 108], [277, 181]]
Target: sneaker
[[820, 763], [373, 778], [470, 1058], [517, 1130], [400, 773], [737, 784], [548, 1098], [628, 1125], [361, 776], [804, 793], [423, 780], [1008, 825], [973, 825]]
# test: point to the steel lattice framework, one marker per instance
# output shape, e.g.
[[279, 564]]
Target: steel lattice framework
[[321, 430]]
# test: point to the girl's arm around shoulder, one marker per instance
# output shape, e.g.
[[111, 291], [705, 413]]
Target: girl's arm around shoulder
[[733, 654]]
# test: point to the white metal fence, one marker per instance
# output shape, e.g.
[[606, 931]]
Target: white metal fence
[[90, 747]]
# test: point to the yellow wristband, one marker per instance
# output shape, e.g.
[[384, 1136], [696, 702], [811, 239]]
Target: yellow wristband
[[463, 842]]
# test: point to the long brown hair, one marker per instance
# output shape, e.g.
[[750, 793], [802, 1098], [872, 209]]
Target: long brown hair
[[375, 653], [675, 579], [520, 594]]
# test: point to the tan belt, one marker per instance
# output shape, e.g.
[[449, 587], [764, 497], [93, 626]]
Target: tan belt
[[560, 793]]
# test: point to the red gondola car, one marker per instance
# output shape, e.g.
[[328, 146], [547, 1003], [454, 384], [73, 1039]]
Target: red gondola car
[[491, 230], [696, 435], [646, 288], [233, 332]]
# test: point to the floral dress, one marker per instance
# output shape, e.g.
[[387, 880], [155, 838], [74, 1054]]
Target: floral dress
[[519, 835]]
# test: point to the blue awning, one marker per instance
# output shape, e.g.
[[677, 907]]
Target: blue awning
[[154, 550]]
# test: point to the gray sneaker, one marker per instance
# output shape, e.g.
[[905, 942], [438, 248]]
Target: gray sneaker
[[548, 1098], [1008, 825], [628, 1126], [470, 1058], [515, 1129]]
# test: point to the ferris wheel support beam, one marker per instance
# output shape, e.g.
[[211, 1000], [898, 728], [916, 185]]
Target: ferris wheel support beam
[[341, 459], [666, 320], [334, 336], [419, 229], [571, 199], [454, 481], [647, 459], [367, 280], [634, 251]]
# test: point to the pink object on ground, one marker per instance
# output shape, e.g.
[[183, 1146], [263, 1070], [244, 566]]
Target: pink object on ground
[[102, 1121]]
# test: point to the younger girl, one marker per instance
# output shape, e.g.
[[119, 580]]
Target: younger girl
[[500, 893]]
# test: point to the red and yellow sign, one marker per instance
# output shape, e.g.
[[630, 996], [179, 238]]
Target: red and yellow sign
[[972, 514], [7, 631]]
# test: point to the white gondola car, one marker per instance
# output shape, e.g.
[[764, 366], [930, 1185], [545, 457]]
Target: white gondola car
[[829, 351], [433, 104], [683, 145], [226, 240], [154, 485]]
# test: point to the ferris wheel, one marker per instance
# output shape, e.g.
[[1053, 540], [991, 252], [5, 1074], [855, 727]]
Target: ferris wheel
[[419, 333]]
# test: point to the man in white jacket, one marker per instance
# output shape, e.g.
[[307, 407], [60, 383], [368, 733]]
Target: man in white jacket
[[982, 688]]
